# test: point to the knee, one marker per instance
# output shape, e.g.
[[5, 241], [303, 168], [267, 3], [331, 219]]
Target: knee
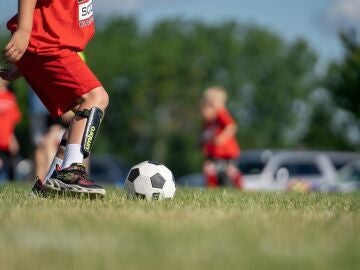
[[209, 168], [97, 97], [232, 171]]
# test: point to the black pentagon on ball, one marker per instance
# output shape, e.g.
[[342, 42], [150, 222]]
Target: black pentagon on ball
[[154, 162], [133, 174], [140, 196], [157, 181]]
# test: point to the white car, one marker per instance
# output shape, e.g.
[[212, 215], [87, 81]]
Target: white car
[[293, 170], [348, 180]]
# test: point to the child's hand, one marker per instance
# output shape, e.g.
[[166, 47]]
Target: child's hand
[[219, 140], [17, 46], [10, 74], [14, 146], [228, 132]]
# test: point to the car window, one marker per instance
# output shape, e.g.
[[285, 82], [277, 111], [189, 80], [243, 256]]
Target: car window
[[355, 176], [251, 167], [340, 161], [339, 164], [352, 175], [301, 169]]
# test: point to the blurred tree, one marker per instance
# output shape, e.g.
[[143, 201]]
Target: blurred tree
[[155, 76], [343, 79], [334, 122], [325, 130]]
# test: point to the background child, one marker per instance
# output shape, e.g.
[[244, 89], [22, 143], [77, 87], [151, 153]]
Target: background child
[[10, 115], [218, 140]]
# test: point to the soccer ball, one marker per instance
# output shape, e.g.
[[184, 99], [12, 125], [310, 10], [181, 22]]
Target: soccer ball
[[150, 180]]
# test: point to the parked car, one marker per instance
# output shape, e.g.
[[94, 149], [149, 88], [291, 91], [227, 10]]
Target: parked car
[[252, 162], [270, 169], [191, 180], [348, 179], [340, 159], [293, 170]]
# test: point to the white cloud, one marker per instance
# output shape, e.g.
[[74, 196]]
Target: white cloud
[[342, 14]]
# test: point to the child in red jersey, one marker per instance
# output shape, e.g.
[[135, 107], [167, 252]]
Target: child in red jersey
[[10, 115], [218, 140], [46, 36]]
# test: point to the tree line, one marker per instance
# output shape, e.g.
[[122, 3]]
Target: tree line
[[155, 76]]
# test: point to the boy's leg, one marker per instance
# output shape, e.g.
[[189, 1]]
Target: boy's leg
[[57, 161], [234, 174], [49, 140], [59, 156], [55, 165], [210, 173], [82, 131], [39, 161], [84, 126], [69, 86]]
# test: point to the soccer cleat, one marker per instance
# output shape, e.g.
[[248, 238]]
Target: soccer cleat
[[75, 181], [38, 189]]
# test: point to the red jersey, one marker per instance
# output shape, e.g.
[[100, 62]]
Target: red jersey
[[10, 115], [58, 25], [230, 148]]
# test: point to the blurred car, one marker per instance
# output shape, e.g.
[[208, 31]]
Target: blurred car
[[340, 159], [108, 169], [191, 180], [270, 169], [348, 179], [293, 170], [252, 162]]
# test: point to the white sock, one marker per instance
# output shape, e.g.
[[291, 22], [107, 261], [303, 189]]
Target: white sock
[[73, 154], [56, 161]]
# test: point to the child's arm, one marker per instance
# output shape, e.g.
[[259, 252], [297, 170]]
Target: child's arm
[[19, 42], [14, 146], [228, 132]]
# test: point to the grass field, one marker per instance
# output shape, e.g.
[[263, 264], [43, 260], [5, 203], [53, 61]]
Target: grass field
[[199, 229]]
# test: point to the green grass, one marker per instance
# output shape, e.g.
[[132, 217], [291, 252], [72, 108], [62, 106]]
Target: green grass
[[199, 229]]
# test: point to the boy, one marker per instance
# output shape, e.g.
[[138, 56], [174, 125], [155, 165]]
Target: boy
[[10, 115], [46, 36], [218, 140]]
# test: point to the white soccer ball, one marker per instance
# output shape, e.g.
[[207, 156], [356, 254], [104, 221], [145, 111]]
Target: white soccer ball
[[150, 180]]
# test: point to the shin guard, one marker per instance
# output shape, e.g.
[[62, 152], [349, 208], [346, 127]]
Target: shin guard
[[94, 117]]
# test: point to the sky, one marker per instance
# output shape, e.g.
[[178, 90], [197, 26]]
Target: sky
[[318, 21]]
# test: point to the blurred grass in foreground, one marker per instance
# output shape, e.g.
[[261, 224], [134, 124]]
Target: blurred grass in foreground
[[199, 229]]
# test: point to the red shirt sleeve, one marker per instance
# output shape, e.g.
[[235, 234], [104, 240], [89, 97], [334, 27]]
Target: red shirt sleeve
[[225, 118]]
